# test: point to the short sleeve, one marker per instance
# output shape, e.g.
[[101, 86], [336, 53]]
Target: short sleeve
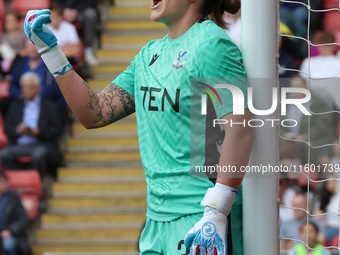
[[222, 64], [126, 80]]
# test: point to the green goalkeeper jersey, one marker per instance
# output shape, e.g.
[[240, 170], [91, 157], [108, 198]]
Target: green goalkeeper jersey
[[171, 128]]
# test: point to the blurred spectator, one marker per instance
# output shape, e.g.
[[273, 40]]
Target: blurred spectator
[[286, 194], [319, 127], [336, 154], [298, 10], [84, 12], [324, 80], [13, 220], [311, 230], [33, 125], [329, 199], [33, 63], [65, 32], [12, 41], [291, 26], [290, 229], [288, 61]]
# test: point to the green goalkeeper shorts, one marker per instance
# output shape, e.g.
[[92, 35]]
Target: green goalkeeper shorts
[[167, 238]]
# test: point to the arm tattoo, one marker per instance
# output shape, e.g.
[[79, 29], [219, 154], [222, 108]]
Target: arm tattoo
[[112, 104]]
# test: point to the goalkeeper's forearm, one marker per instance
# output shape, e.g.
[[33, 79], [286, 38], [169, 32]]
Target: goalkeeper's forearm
[[82, 100], [235, 150]]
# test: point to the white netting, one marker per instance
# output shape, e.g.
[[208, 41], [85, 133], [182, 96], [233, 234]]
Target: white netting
[[310, 212]]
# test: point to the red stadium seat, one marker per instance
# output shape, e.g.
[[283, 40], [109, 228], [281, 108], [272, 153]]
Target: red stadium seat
[[28, 184], [25, 181], [22, 6], [2, 14], [331, 21], [330, 4]]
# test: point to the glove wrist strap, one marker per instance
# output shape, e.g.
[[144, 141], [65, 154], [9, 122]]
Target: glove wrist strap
[[56, 61], [220, 199]]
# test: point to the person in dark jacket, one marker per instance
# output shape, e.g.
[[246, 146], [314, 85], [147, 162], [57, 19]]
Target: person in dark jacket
[[13, 220], [32, 125], [33, 63]]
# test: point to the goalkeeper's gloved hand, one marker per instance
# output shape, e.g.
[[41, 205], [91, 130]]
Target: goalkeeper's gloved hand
[[208, 236], [45, 41]]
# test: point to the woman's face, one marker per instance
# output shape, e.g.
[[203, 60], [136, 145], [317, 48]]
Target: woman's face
[[312, 234], [11, 23], [168, 11]]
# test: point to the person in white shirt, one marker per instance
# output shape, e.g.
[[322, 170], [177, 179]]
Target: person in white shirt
[[66, 33], [324, 71]]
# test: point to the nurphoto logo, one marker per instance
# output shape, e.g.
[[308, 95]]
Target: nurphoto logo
[[238, 104]]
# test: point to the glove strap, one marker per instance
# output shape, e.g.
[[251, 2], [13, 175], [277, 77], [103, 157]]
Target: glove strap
[[220, 199], [56, 61]]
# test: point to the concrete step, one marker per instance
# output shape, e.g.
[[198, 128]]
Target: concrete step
[[96, 205], [133, 25], [157, 33], [116, 53], [134, 3], [104, 236], [102, 144], [126, 40], [76, 141], [102, 156], [103, 149], [101, 164], [130, 13], [102, 190], [98, 221], [109, 69], [115, 127], [83, 249], [100, 175], [105, 76]]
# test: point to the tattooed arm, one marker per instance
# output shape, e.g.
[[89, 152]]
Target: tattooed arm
[[95, 110]]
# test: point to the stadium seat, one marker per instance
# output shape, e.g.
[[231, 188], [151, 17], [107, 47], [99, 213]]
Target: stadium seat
[[2, 15], [28, 184], [23, 6], [27, 181], [330, 4], [331, 21]]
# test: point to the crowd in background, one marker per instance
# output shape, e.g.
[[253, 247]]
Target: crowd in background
[[33, 112], [313, 65]]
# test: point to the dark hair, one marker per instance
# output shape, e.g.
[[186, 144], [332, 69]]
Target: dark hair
[[326, 37], [15, 14], [214, 10], [310, 223], [3, 176], [325, 197], [57, 8]]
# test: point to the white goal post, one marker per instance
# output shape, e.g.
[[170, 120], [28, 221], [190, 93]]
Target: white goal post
[[259, 50]]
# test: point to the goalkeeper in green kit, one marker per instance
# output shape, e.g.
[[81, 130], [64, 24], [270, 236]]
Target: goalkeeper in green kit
[[157, 86]]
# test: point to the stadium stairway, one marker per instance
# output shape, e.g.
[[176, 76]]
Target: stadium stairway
[[98, 202]]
